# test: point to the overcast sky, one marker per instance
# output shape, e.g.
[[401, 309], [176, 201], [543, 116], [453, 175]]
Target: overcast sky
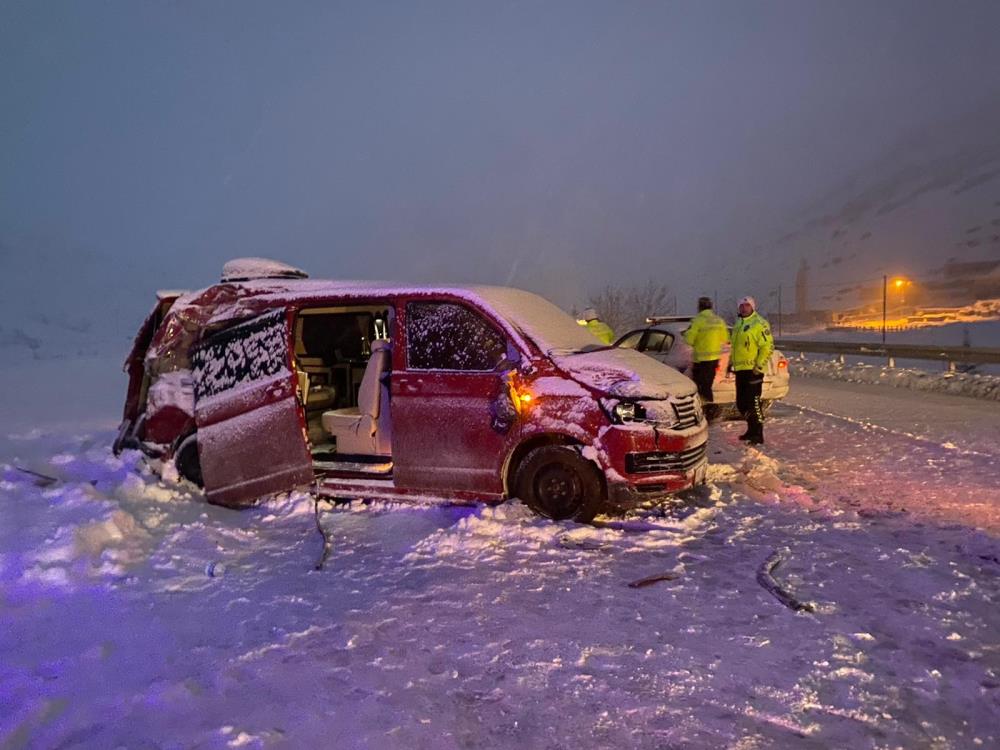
[[553, 146]]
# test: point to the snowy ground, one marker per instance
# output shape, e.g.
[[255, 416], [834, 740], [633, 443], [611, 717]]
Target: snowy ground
[[133, 615]]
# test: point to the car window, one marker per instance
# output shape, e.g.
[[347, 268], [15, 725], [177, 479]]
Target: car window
[[659, 341], [631, 341], [449, 336]]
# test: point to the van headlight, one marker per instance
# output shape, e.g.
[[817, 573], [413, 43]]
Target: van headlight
[[628, 411]]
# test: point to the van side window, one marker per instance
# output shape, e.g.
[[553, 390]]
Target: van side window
[[448, 336]]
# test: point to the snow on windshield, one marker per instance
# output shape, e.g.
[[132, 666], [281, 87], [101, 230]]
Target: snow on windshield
[[540, 320]]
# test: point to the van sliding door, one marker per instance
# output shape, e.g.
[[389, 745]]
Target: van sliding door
[[250, 435]]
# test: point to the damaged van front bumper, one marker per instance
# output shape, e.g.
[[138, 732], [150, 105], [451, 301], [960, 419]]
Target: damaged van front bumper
[[647, 466], [624, 496]]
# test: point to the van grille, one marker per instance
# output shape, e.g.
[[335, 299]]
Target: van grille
[[686, 411], [661, 461]]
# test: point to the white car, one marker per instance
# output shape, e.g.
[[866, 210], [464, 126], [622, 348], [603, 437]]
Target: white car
[[663, 340]]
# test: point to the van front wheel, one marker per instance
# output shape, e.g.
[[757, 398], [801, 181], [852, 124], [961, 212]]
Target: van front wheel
[[557, 482]]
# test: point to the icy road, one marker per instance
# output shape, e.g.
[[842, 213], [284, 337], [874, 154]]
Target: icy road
[[133, 615]]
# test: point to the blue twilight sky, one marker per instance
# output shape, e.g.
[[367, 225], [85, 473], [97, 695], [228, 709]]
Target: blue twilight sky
[[554, 146]]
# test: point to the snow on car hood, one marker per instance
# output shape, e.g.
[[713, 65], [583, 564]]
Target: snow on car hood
[[625, 373]]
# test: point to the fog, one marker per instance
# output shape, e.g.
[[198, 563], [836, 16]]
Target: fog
[[553, 146]]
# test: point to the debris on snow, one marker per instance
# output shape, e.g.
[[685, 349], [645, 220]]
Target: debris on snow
[[650, 580], [765, 577]]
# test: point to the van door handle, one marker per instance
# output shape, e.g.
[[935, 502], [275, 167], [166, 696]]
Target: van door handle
[[406, 385]]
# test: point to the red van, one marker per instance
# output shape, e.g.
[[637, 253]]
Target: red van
[[270, 381]]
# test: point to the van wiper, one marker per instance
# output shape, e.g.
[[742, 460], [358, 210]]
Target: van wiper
[[573, 352]]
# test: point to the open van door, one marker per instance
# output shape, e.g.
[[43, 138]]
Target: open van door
[[251, 440]]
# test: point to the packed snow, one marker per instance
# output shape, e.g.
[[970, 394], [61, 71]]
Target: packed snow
[[854, 370], [135, 615]]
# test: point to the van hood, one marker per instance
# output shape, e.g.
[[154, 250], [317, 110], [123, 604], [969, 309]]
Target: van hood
[[625, 373]]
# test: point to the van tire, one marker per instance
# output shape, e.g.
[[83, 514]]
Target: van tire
[[187, 461], [557, 482]]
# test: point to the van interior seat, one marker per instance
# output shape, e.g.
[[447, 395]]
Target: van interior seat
[[366, 429]]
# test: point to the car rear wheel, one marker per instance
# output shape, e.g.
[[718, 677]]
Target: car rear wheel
[[187, 461], [557, 482]]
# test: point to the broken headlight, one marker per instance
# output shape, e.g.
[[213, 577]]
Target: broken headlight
[[628, 411]]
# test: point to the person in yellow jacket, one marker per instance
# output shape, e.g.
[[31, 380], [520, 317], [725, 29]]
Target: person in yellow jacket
[[706, 336], [597, 326], [752, 346]]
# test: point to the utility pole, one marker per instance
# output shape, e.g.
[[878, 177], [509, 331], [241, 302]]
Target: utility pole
[[885, 295], [779, 311]]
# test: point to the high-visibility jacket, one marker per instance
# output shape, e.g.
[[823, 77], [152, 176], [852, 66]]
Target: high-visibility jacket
[[602, 330], [751, 343], [706, 335]]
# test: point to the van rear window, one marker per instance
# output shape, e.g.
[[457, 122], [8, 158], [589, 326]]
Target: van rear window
[[448, 336], [244, 353]]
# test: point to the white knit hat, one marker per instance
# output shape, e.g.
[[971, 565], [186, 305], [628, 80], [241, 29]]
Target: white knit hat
[[749, 301]]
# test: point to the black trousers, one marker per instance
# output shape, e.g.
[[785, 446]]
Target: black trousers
[[748, 390], [703, 375]]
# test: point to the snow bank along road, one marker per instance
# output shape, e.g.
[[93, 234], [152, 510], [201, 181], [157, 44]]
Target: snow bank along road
[[133, 615]]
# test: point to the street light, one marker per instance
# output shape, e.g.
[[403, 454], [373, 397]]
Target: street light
[[901, 283]]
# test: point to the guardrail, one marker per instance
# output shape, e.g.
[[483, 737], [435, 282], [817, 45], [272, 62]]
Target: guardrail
[[946, 354]]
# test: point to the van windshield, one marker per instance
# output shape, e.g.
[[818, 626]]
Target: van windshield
[[552, 330]]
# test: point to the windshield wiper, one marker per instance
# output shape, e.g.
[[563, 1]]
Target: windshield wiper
[[573, 352]]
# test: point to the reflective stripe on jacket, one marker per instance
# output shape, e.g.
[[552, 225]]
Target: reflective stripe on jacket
[[751, 343], [601, 330], [706, 335]]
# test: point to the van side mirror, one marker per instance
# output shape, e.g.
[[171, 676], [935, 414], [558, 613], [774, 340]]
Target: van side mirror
[[512, 359], [506, 365]]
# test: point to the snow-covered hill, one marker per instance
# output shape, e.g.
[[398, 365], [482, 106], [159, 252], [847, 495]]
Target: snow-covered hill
[[933, 200]]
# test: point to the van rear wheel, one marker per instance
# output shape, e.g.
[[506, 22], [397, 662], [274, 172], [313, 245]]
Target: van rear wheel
[[187, 461], [557, 482]]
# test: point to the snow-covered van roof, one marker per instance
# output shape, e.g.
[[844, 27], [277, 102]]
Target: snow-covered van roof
[[527, 315], [244, 269]]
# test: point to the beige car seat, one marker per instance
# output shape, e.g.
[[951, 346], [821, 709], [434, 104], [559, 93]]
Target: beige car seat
[[366, 429]]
